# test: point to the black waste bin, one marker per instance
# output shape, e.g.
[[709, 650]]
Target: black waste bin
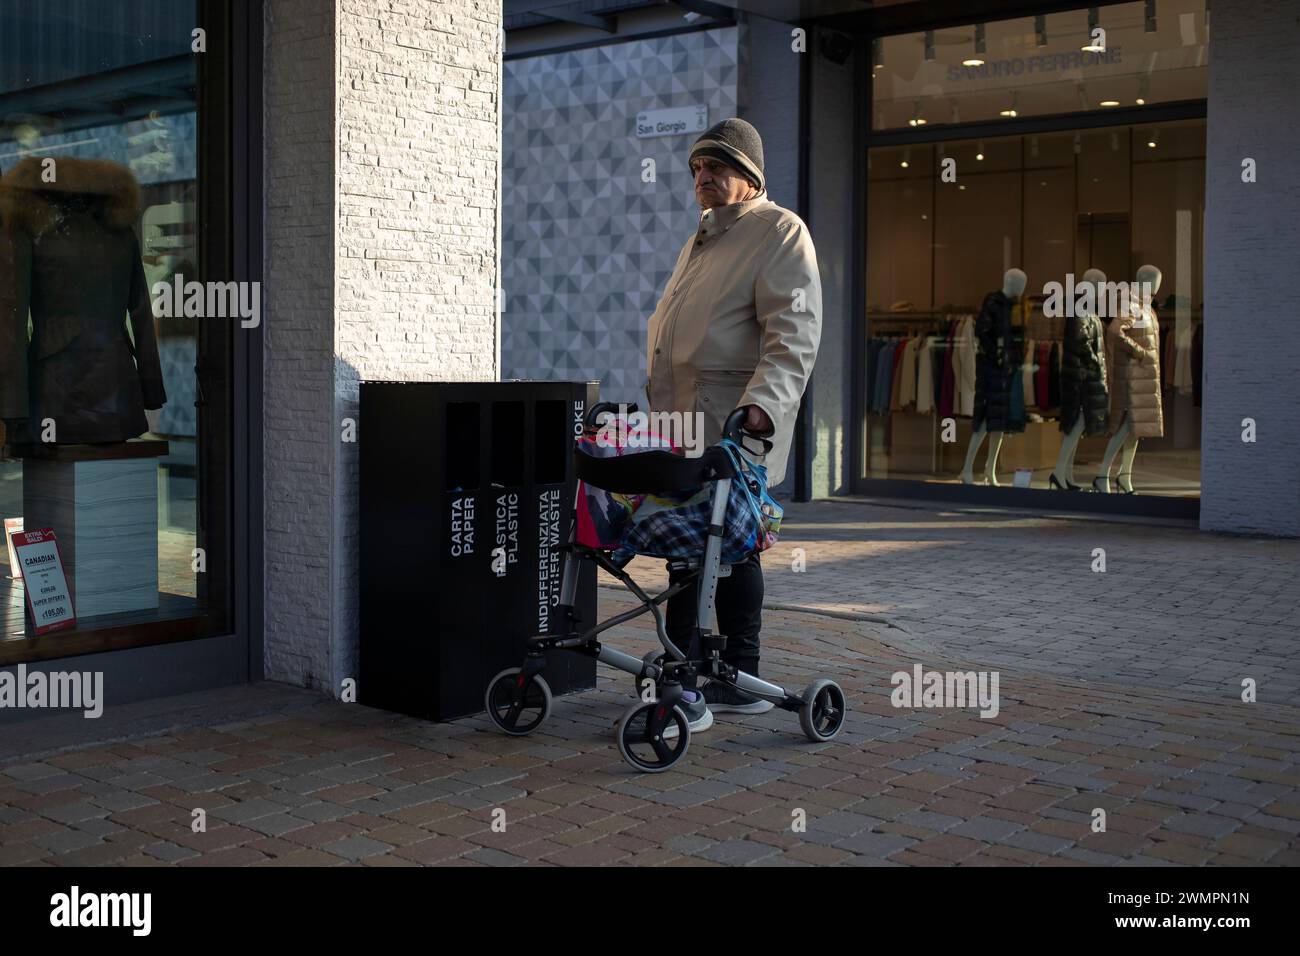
[[467, 493]]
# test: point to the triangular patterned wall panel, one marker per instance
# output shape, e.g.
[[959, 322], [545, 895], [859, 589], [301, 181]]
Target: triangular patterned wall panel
[[587, 247]]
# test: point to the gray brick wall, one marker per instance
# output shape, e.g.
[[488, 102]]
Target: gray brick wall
[[391, 261], [1252, 343], [588, 246]]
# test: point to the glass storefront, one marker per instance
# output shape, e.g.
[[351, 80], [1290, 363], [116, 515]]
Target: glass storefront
[[116, 434], [974, 373]]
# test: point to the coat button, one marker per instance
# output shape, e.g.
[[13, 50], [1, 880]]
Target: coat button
[[657, 351]]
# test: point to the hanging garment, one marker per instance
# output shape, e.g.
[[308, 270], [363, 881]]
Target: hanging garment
[[873, 354], [938, 359], [907, 388], [1083, 375], [1183, 355], [949, 390], [1198, 357], [1027, 373], [1043, 374], [887, 380], [925, 375], [896, 382], [964, 366], [1166, 355], [997, 365], [884, 366], [1054, 375], [1133, 358]]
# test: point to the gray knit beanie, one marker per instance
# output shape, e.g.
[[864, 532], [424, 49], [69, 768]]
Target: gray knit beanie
[[736, 143]]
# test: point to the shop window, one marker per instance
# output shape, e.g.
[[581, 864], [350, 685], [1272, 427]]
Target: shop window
[[1053, 205], [111, 441]]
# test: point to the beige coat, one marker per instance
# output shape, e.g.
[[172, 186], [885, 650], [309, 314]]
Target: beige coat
[[739, 323], [1133, 350]]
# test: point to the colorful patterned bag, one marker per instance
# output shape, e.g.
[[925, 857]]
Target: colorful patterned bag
[[676, 525], [603, 516]]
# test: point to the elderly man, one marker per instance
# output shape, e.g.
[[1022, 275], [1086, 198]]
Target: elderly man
[[737, 327]]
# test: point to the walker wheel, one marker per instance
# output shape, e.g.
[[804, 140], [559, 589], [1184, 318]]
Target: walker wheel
[[640, 750], [823, 711], [651, 657], [516, 705]]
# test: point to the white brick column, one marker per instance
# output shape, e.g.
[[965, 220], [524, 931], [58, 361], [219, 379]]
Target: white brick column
[[382, 135]]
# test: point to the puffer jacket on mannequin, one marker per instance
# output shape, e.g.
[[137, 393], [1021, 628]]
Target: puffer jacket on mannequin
[[997, 362], [1133, 347], [1083, 376]]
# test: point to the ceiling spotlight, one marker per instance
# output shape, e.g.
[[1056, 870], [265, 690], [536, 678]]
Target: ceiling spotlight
[[1144, 89], [978, 58], [1095, 44], [979, 151], [907, 152], [1109, 103], [1040, 30], [929, 44], [917, 119], [1011, 110], [1154, 140], [1149, 17], [877, 53]]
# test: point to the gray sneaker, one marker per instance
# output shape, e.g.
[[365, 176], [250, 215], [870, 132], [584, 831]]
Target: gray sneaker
[[725, 699], [698, 715]]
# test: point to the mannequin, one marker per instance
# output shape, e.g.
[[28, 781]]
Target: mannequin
[[998, 358], [71, 259], [1083, 384], [1133, 347]]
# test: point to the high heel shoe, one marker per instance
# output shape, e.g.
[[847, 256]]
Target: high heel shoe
[[1054, 482], [1105, 484], [1130, 490]]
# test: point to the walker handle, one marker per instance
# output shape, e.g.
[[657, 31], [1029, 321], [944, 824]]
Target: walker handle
[[589, 423], [733, 428]]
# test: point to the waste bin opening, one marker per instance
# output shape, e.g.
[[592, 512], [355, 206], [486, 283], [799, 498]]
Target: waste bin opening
[[552, 442], [460, 452], [507, 467]]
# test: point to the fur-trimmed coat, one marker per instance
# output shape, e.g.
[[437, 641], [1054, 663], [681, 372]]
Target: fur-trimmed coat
[[69, 256]]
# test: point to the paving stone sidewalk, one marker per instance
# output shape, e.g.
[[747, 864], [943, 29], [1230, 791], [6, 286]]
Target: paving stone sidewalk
[[1185, 771]]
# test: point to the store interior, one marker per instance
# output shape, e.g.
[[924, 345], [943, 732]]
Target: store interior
[[948, 218]]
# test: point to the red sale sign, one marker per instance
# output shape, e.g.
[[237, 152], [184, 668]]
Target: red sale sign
[[48, 600]]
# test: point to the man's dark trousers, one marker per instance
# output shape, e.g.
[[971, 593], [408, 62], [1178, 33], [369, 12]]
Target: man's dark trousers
[[739, 605]]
